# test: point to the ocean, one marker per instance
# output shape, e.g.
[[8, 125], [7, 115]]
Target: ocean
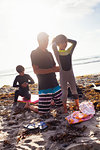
[[82, 66]]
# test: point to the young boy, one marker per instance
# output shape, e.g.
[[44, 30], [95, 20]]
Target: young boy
[[22, 80], [65, 63]]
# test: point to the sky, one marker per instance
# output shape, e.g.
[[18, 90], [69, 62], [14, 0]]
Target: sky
[[22, 20]]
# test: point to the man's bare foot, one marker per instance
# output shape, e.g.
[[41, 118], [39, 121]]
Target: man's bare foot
[[27, 106], [65, 110], [52, 103], [34, 109]]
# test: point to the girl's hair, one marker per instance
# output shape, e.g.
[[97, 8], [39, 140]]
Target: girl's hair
[[60, 39], [20, 68]]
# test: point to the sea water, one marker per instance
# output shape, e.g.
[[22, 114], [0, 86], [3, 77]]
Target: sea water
[[83, 66]]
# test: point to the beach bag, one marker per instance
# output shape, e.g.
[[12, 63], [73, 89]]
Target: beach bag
[[86, 112], [87, 108]]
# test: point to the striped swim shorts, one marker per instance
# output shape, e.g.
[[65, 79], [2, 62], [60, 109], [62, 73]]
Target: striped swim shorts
[[45, 97]]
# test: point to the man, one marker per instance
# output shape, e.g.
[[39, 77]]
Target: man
[[44, 67]]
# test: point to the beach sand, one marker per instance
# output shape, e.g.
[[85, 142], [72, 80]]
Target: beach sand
[[59, 135]]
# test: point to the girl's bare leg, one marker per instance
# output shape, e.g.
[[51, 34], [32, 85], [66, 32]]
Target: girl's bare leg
[[77, 104], [65, 108]]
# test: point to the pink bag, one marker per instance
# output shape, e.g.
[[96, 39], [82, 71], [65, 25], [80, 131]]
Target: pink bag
[[86, 112]]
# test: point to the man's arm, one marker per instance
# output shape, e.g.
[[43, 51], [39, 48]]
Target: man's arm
[[37, 70], [15, 83]]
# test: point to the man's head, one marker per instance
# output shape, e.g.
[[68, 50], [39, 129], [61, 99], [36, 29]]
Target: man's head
[[20, 69], [42, 39], [61, 41]]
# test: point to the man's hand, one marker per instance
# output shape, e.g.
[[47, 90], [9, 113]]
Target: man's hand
[[24, 84], [56, 68]]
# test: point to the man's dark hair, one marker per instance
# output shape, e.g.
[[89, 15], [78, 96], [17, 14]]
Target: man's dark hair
[[20, 68]]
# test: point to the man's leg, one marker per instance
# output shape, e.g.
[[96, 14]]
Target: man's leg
[[44, 103], [17, 93], [57, 96], [27, 96]]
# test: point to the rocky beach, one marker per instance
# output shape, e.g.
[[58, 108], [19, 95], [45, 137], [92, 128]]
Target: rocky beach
[[59, 134]]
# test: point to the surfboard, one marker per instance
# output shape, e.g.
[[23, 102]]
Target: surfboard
[[34, 99], [96, 87]]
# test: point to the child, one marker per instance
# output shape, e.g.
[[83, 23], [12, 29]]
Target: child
[[65, 63], [22, 80]]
